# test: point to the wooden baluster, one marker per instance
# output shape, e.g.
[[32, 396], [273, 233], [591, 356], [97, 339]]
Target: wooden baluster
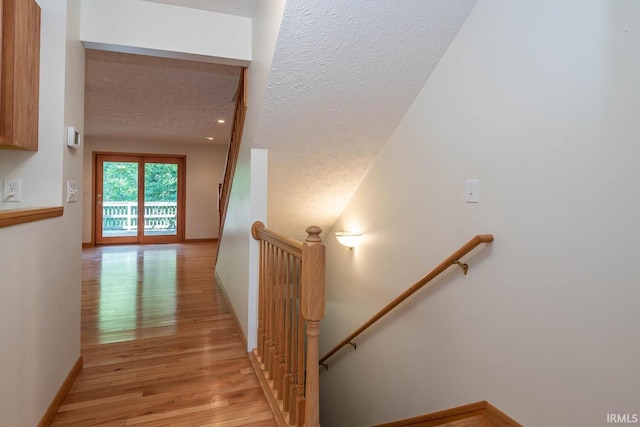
[[300, 363], [291, 369], [273, 307], [286, 379], [297, 354], [265, 344], [277, 378], [313, 296], [261, 280], [273, 310], [272, 318], [263, 306], [269, 311], [282, 283]]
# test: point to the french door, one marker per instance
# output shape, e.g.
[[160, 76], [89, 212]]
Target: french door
[[139, 199]]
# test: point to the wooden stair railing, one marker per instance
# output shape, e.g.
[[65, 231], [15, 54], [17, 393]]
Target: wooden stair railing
[[454, 259], [224, 188], [291, 300]]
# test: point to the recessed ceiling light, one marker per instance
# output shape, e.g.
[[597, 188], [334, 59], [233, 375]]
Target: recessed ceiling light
[[221, 121], [210, 138]]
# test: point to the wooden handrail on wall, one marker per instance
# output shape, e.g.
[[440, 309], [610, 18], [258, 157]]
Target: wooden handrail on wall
[[291, 300], [224, 189], [451, 260]]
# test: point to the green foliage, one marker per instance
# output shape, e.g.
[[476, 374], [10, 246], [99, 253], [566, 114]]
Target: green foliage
[[161, 182], [121, 182]]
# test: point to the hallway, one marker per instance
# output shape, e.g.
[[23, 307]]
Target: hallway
[[159, 344]]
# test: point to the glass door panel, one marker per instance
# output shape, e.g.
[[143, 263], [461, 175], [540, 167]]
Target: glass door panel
[[117, 194], [160, 199], [120, 199]]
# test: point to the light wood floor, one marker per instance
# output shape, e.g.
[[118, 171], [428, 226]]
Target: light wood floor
[[159, 343]]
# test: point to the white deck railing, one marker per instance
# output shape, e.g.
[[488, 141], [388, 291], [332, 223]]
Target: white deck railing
[[124, 216]]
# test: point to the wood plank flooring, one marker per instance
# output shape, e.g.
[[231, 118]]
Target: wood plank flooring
[[159, 343]]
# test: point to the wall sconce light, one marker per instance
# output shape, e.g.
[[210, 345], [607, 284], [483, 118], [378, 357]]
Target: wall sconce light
[[350, 239]]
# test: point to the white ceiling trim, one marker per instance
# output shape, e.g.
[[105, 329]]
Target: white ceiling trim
[[229, 7]]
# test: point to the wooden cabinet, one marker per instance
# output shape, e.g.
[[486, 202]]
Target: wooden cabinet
[[20, 78]]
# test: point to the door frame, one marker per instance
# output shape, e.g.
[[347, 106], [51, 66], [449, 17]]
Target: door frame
[[180, 160]]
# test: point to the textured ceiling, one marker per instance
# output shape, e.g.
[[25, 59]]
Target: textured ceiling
[[149, 98], [230, 7], [344, 73]]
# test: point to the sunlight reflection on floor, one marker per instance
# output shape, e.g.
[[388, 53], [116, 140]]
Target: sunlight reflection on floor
[[138, 290]]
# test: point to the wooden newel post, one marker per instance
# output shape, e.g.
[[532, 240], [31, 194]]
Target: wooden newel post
[[313, 296]]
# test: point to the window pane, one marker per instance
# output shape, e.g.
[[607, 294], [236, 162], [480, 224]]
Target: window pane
[[120, 199], [160, 199]]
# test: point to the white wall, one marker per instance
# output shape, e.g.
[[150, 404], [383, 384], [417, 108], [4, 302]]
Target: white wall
[[40, 261], [141, 27], [205, 163], [238, 264], [539, 101], [234, 266]]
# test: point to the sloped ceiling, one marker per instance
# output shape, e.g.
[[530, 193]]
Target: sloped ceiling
[[344, 74]]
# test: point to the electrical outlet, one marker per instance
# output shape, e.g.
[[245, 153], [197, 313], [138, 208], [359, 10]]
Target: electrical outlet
[[12, 190]]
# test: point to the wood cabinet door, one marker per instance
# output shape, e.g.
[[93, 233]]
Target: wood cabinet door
[[20, 77]]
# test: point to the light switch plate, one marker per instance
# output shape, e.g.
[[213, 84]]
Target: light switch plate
[[472, 194], [72, 191]]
